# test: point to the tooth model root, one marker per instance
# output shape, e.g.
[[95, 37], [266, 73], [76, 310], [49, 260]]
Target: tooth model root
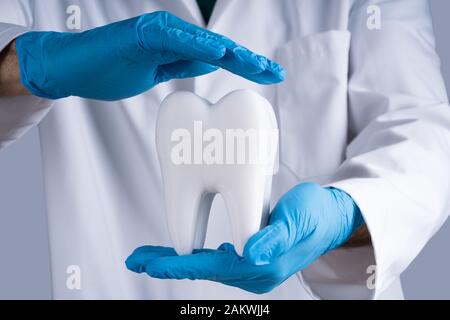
[[246, 212], [187, 216]]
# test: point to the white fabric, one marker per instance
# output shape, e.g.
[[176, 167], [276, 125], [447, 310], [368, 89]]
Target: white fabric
[[363, 110]]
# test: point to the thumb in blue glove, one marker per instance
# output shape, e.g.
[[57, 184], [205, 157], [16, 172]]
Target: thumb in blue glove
[[309, 219]]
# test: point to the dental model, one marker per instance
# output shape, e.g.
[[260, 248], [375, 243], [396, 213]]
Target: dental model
[[228, 148]]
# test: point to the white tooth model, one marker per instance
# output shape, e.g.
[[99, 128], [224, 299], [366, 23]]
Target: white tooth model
[[204, 149]]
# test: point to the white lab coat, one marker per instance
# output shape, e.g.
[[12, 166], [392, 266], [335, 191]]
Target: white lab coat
[[363, 110]]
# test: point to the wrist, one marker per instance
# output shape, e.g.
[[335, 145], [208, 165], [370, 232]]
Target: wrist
[[358, 234], [360, 238], [10, 80], [34, 72], [349, 209]]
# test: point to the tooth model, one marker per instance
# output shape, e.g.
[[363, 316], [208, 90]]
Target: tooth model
[[228, 148]]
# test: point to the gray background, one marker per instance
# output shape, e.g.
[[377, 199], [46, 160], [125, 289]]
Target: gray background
[[24, 262]]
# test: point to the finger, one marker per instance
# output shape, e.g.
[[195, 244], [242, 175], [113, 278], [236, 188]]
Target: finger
[[280, 235], [292, 221], [183, 69], [274, 73], [184, 44], [268, 244], [194, 43], [237, 59], [242, 61], [306, 251], [251, 66], [214, 265], [137, 261], [177, 23]]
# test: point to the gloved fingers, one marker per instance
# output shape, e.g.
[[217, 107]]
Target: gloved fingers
[[181, 43], [288, 225], [307, 251], [222, 265], [215, 265], [141, 256], [238, 60], [274, 73], [167, 20], [193, 43], [168, 57], [183, 69], [268, 244], [257, 63], [264, 71], [253, 67], [243, 62], [177, 23]]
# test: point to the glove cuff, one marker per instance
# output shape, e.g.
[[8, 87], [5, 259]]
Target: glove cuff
[[31, 57], [353, 213]]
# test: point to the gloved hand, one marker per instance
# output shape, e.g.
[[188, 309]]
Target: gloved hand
[[126, 58], [307, 222]]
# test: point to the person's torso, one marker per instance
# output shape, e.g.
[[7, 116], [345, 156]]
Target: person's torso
[[102, 175]]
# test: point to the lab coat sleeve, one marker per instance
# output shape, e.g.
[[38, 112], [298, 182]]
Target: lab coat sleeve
[[398, 164], [17, 114]]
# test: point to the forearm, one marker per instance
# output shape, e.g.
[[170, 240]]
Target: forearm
[[360, 238], [10, 84]]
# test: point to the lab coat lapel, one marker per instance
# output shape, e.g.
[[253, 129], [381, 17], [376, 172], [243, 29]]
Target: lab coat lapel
[[192, 8], [219, 12]]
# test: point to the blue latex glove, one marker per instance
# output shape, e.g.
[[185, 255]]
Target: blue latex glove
[[126, 58], [307, 222]]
